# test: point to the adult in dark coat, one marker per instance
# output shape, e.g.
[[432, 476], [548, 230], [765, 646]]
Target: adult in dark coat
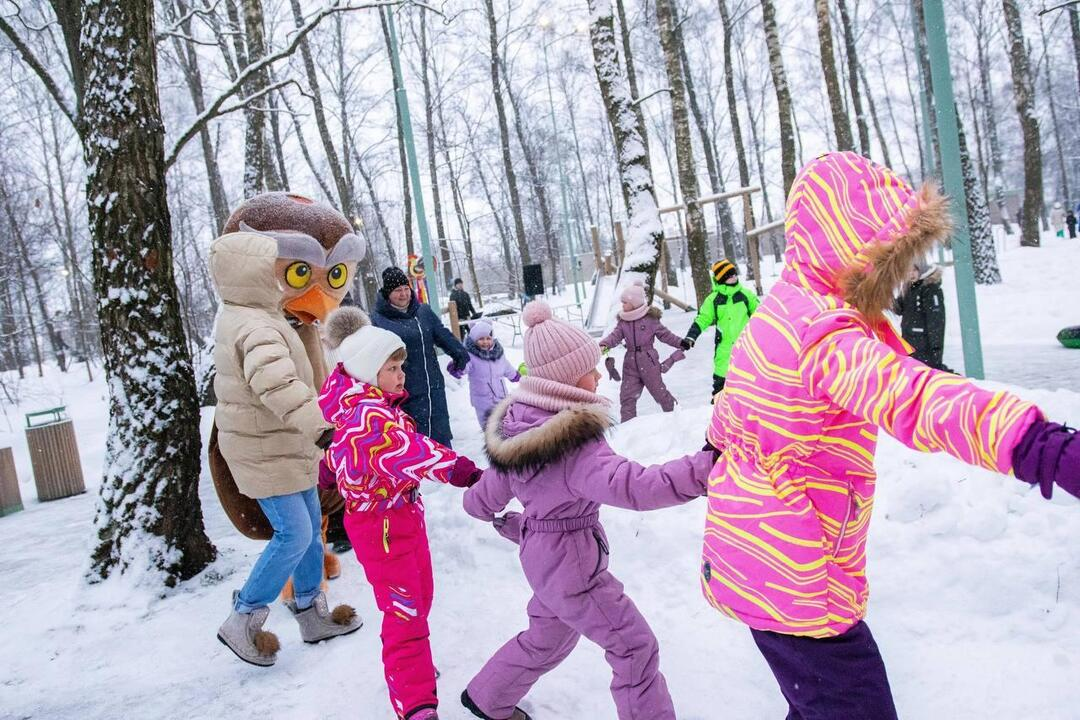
[[398, 311], [465, 309], [922, 315], [1070, 223]]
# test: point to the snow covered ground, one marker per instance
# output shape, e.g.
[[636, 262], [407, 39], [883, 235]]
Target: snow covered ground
[[975, 580]]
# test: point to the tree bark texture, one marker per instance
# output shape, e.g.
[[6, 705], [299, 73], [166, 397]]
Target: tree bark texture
[[841, 123], [1024, 94], [783, 94], [433, 166], [854, 70], [983, 252]]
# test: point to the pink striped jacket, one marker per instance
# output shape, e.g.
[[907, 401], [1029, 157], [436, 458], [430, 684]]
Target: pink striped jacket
[[815, 374]]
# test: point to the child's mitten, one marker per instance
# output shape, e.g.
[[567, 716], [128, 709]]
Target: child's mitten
[[327, 481], [611, 371], [686, 343], [516, 377], [1048, 454], [464, 473], [509, 526], [325, 439], [522, 370], [672, 359], [455, 372]]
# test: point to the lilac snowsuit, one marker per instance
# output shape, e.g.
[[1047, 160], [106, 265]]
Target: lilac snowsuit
[[486, 387], [561, 469], [641, 366]]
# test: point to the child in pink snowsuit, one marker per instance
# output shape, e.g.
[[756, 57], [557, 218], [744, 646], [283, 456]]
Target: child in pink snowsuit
[[639, 327], [815, 374], [486, 370], [546, 446], [377, 459]]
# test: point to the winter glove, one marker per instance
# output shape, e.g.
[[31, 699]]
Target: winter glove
[[522, 370], [709, 447], [516, 377], [327, 481], [325, 439], [1049, 454], [455, 372], [611, 371], [464, 473], [686, 343], [509, 526], [672, 359], [604, 349]]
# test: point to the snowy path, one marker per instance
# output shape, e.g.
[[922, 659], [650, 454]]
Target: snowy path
[[975, 580]]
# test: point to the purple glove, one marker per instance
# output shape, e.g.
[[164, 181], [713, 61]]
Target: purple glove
[[509, 526], [1048, 454], [327, 481], [516, 377], [464, 473], [455, 372], [611, 371], [672, 359]]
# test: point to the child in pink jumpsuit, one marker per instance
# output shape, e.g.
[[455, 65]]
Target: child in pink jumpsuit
[[377, 460]]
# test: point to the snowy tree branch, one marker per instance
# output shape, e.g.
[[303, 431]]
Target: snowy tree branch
[[180, 22], [1058, 7], [214, 109], [640, 100], [31, 60]]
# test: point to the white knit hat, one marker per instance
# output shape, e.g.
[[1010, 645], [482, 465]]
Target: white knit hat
[[361, 347]]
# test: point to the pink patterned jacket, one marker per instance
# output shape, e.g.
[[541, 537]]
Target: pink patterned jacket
[[815, 374], [377, 458]]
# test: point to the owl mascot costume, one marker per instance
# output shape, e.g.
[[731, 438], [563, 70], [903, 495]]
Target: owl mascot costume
[[282, 263]]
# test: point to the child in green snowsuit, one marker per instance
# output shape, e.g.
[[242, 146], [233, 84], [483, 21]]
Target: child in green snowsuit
[[728, 307]]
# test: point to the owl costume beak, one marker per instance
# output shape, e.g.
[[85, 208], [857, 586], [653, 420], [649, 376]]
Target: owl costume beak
[[312, 305]]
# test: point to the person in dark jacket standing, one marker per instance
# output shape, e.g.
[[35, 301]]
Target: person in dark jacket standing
[[465, 309], [398, 311], [1070, 223], [922, 315]]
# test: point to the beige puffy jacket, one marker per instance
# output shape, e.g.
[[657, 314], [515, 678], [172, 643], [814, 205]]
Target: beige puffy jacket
[[268, 416]]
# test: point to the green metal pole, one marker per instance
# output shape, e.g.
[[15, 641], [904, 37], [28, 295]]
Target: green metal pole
[[568, 233], [414, 168], [949, 141]]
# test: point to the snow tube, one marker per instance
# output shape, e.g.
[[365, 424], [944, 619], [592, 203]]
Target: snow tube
[[1070, 337]]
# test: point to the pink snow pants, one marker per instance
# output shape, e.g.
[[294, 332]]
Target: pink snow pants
[[392, 547]]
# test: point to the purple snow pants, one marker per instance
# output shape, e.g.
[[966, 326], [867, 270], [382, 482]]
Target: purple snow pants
[[829, 678], [571, 600], [641, 371]]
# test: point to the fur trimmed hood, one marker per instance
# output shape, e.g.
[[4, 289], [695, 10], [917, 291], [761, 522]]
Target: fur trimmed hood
[[854, 229], [521, 439]]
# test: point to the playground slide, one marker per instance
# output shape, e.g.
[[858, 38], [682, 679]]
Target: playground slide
[[600, 306]]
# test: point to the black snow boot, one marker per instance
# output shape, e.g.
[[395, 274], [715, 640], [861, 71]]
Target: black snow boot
[[467, 701]]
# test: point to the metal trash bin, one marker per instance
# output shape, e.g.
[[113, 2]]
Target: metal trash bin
[[54, 455], [10, 497]]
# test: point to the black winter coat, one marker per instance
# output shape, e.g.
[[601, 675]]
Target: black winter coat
[[421, 330], [922, 321], [465, 309]]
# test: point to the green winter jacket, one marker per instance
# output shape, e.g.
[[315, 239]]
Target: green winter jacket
[[729, 308]]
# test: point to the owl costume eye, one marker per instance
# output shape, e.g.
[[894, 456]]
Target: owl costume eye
[[298, 275], [338, 276]]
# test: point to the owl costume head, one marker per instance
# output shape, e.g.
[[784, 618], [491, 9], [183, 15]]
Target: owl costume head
[[316, 251]]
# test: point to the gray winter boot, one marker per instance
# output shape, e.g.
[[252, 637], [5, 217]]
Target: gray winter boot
[[318, 623], [243, 634]]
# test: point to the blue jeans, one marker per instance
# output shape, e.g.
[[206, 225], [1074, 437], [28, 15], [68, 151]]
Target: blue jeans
[[295, 550]]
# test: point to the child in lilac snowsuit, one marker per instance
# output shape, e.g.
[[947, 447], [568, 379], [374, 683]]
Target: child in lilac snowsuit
[[546, 446], [639, 327], [486, 370]]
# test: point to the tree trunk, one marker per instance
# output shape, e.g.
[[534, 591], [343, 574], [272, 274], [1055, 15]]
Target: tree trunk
[[536, 179], [570, 103], [259, 171], [31, 328], [644, 231], [854, 70], [189, 65], [346, 201], [504, 136], [783, 94], [1024, 93], [504, 236], [841, 123], [429, 126], [696, 234], [724, 222], [149, 519], [1051, 100], [304, 150], [997, 180], [384, 229], [922, 57], [882, 143], [631, 75], [983, 253], [1074, 28], [913, 103]]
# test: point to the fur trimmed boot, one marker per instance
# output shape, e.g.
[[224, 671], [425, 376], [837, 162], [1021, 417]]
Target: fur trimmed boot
[[243, 634], [467, 701], [318, 623]]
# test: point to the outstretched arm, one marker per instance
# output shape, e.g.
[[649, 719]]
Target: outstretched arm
[[614, 480], [489, 497], [375, 443], [925, 409]]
